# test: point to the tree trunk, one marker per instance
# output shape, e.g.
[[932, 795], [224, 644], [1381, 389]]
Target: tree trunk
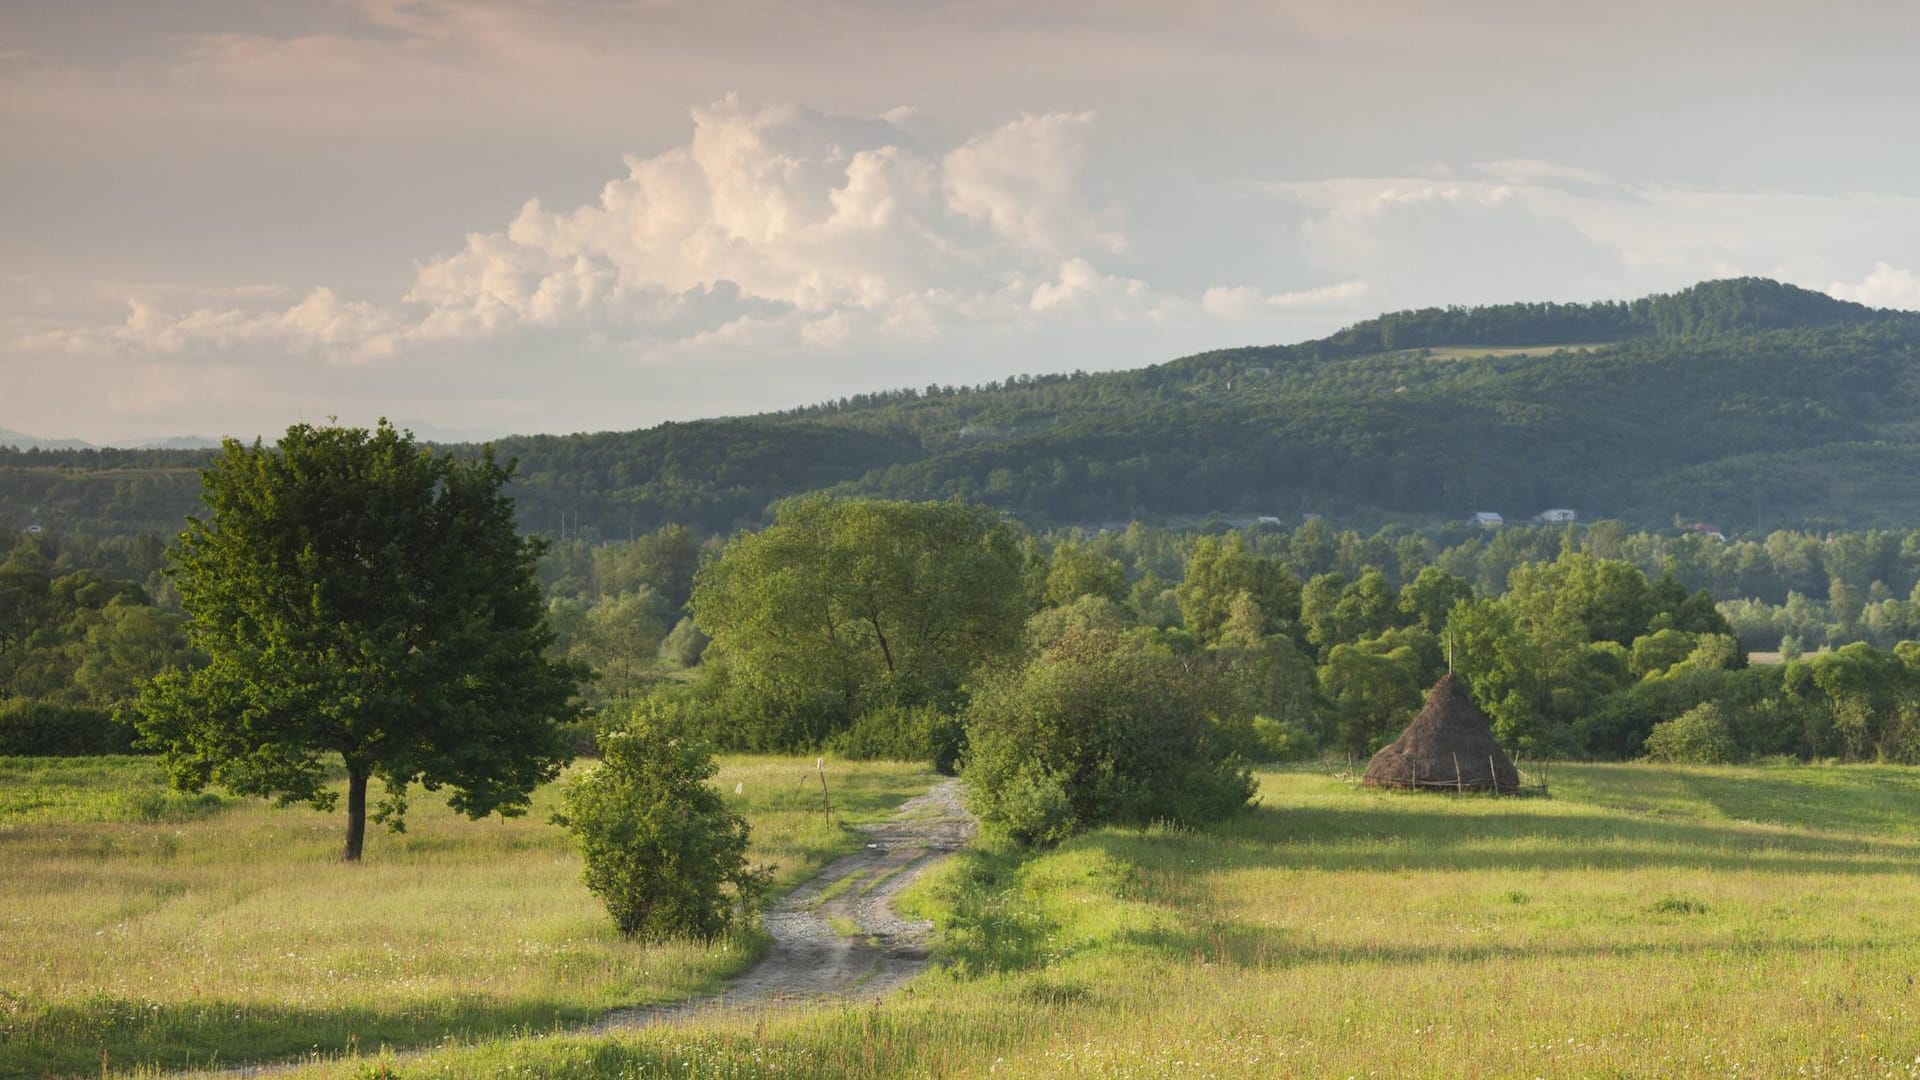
[[356, 813]]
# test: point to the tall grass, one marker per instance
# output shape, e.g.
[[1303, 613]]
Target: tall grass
[[1647, 921], [172, 930]]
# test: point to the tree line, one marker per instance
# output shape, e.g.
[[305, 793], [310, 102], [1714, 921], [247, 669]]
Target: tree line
[[1745, 402], [354, 597]]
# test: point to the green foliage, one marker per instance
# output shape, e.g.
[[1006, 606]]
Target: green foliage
[[1075, 571], [682, 646], [1333, 610], [359, 596], [662, 850], [1101, 728], [77, 636], [1273, 709], [1872, 696], [1279, 741], [1698, 736], [620, 638], [1374, 694], [1655, 653], [839, 595], [1426, 599], [1220, 573], [1082, 613], [894, 732], [50, 729]]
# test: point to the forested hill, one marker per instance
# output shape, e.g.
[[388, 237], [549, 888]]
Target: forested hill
[[1711, 309], [1741, 402]]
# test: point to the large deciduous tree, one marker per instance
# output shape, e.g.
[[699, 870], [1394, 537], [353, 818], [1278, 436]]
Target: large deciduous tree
[[840, 600], [358, 595]]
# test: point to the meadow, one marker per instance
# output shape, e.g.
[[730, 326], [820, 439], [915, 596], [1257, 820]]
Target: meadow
[[1644, 921], [143, 927]]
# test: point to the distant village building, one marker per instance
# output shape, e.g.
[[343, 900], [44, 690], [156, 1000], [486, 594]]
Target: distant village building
[[1487, 520], [1556, 517], [1267, 519], [1707, 529]]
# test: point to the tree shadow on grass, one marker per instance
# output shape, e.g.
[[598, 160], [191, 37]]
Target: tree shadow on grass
[[1258, 947], [72, 1038], [1864, 800], [1429, 833]]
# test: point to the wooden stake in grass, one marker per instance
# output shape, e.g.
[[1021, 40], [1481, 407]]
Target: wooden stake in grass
[[1459, 783], [826, 804]]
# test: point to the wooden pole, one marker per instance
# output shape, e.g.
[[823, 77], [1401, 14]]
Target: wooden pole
[[1459, 784], [1495, 773], [826, 804]]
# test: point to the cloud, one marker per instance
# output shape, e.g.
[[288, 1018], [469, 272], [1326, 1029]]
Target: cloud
[[1022, 181], [321, 323], [772, 253], [1452, 242], [1242, 301], [1885, 287], [771, 223], [1525, 229]]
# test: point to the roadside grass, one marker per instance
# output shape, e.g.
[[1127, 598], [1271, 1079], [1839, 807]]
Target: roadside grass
[[1646, 921], [171, 930]]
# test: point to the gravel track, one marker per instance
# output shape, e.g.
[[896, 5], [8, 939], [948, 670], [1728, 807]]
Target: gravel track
[[871, 952], [810, 961]]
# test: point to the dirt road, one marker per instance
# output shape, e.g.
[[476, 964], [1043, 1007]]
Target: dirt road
[[837, 937]]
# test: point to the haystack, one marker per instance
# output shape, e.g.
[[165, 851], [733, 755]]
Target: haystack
[[1450, 745]]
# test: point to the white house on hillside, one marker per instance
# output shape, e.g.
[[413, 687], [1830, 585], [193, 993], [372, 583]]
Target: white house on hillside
[[1487, 520], [1556, 517]]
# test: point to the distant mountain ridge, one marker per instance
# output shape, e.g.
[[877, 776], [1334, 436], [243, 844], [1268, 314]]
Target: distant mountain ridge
[[1740, 400], [22, 441]]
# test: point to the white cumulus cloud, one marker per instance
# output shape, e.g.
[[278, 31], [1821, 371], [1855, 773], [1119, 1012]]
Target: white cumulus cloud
[[1885, 287], [770, 224]]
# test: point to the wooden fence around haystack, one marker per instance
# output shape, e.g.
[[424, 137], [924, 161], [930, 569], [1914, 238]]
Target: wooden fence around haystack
[[1419, 779]]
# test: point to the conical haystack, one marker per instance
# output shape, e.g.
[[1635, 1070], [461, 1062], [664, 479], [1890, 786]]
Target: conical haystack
[[1449, 745]]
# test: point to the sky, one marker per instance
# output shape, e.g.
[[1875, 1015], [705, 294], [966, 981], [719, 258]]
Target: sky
[[478, 217]]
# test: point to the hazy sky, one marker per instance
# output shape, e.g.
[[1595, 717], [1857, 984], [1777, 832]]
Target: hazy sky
[[561, 215]]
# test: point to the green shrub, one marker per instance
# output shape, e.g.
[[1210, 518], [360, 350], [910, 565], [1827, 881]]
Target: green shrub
[[35, 728], [1267, 740], [1102, 728], [582, 734], [662, 850], [903, 733], [683, 645], [1698, 736]]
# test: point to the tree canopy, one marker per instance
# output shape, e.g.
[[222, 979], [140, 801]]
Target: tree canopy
[[838, 600], [356, 594]]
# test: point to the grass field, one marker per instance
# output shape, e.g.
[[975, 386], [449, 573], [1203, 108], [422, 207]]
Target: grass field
[[1646, 921], [168, 930]]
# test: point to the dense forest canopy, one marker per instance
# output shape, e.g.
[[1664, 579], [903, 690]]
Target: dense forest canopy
[[1579, 639], [1746, 402]]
